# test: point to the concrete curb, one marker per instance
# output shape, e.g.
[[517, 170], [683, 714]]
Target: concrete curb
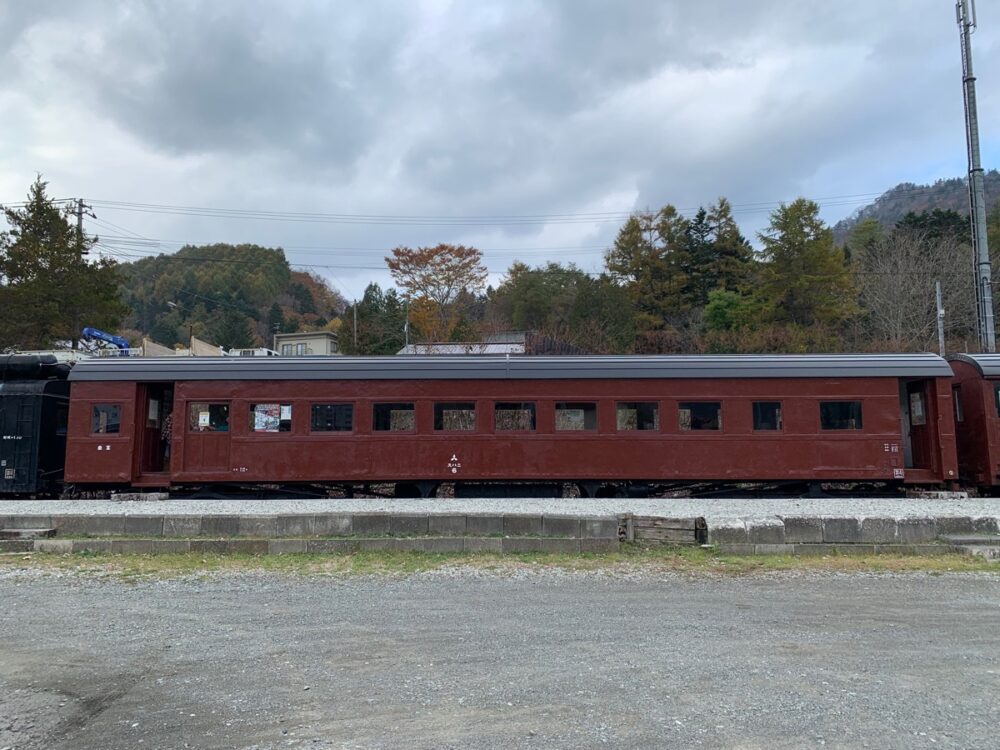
[[843, 531], [440, 544], [323, 524], [836, 549]]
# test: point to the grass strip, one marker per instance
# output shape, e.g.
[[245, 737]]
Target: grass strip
[[630, 559]]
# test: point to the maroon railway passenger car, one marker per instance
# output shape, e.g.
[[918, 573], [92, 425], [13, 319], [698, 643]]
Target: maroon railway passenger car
[[607, 423], [976, 391]]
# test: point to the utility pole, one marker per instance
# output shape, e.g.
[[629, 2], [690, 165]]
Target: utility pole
[[355, 308], [80, 213], [977, 201], [940, 315]]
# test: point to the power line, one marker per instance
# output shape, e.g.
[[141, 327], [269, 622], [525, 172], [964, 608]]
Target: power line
[[454, 220]]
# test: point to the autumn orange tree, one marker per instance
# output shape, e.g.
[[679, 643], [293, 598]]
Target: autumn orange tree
[[436, 279]]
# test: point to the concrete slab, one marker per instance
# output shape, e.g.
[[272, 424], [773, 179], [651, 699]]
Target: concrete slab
[[446, 525], [53, 546], [879, 531], [803, 530], [766, 531], [370, 523], [561, 526], [599, 528], [92, 545], [518, 525], [289, 546], [28, 522], [144, 525], [225, 526], [332, 524], [599, 546], [300, 524], [483, 544], [408, 524], [542, 545], [247, 546], [483, 525], [442, 544], [209, 546], [732, 531], [259, 526], [841, 531], [174, 526], [330, 546], [917, 530]]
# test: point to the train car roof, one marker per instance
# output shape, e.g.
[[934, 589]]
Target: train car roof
[[485, 367], [988, 365]]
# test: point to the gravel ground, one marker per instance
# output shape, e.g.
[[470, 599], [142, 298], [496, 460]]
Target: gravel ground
[[718, 511], [475, 659]]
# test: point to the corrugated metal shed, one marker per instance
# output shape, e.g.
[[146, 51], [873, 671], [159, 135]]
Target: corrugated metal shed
[[987, 364], [522, 368]]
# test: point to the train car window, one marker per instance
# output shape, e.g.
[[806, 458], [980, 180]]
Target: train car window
[[699, 415], [637, 415], [918, 413], [206, 417], [456, 417], [332, 418], [106, 419], [576, 416], [513, 417], [956, 397], [271, 418], [996, 397], [767, 415], [393, 418], [840, 415], [62, 419]]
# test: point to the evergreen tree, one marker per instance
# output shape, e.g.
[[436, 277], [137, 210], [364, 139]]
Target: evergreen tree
[[49, 288], [804, 278]]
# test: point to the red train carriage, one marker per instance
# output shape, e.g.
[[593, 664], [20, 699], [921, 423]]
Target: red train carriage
[[606, 423], [976, 391]]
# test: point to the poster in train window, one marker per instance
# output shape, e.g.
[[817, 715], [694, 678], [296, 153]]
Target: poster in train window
[[271, 417]]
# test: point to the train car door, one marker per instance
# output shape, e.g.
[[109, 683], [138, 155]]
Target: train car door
[[154, 426], [917, 437], [206, 437]]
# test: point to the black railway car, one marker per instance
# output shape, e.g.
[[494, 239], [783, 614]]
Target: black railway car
[[34, 407]]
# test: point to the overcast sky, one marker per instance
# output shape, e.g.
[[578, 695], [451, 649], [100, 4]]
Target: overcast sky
[[465, 114]]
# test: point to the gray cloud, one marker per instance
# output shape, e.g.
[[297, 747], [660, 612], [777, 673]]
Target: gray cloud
[[534, 107]]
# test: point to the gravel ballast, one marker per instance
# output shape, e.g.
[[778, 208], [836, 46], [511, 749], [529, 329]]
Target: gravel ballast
[[715, 511]]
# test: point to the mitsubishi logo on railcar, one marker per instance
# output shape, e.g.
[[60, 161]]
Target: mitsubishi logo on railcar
[[454, 464]]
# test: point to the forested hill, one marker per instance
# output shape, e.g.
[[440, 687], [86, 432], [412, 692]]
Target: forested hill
[[231, 295], [907, 197]]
